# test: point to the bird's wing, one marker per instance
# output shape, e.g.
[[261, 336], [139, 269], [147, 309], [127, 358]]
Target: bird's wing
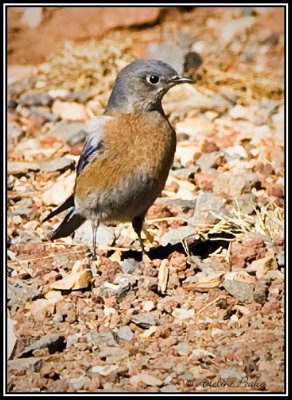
[[94, 141]]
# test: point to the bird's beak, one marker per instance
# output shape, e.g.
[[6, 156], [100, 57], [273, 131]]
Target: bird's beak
[[178, 80]]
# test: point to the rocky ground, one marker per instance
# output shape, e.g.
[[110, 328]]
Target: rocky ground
[[204, 312]]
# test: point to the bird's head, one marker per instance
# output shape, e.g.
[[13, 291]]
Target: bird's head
[[141, 85]]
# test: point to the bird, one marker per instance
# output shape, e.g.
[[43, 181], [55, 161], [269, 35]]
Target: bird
[[127, 154]]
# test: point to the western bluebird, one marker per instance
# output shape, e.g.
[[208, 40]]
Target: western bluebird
[[127, 154]]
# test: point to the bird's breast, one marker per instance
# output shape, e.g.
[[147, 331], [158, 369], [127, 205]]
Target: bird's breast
[[132, 170]]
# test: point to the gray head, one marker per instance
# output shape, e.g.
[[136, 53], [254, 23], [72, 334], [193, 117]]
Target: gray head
[[141, 85]]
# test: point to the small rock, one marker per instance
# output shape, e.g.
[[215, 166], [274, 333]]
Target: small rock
[[169, 389], [104, 370], [70, 110], [231, 373], [124, 334], [79, 383], [44, 113], [105, 236], [231, 186], [21, 211], [59, 191], [246, 203], [235, 27], [205, 181], [182, 313], [207, 161], [14, 132], [20, 74], [21, 168], [35, 99], [130, 265], [57, 164], [238, 112], [101, 339], [52, 342], [170, 53], [32, 16], [59, 94], [20, 291], [235, 152], [113, 354], [71, 132], [145, 378], [281, 259], [174, 236], [118, 290], [249, 250], [144, 320], [148, 305], [184, 173], [208, 208], [244, 287], [32, 363], [183, 349]]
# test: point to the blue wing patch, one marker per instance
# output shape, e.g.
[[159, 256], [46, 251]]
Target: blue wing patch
[[89, 151], [94, 142]]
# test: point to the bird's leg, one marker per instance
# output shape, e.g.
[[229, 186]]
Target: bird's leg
[[137, 224], [94, 225]]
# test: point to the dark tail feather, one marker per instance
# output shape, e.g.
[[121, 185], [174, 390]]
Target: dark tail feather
[[71, 222], [67, 204]]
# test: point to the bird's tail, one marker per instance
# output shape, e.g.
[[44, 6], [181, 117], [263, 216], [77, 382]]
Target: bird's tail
[[67, 204], [71, 222]]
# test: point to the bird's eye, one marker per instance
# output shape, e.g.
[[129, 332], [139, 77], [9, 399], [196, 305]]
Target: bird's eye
[[153, 79]]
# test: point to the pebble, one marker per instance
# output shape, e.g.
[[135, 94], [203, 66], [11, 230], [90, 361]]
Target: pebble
[[103, 370], [31, 363], [100, 339], [105, 236], [124, 334], [52, 342], [69, 110], [173, 236], [169, 389], [71, 132], [21, 168], [144, 320], [57, 164], [182, 313], [208, 208], [230, 185], [130, 265], [145, 378], [35, 99], [14, 132]]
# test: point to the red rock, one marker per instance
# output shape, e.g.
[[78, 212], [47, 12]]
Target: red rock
[[12, 117], [204, 181], [96, 21], [276, 190], [247, 251], [209, 146], [231, 186]]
